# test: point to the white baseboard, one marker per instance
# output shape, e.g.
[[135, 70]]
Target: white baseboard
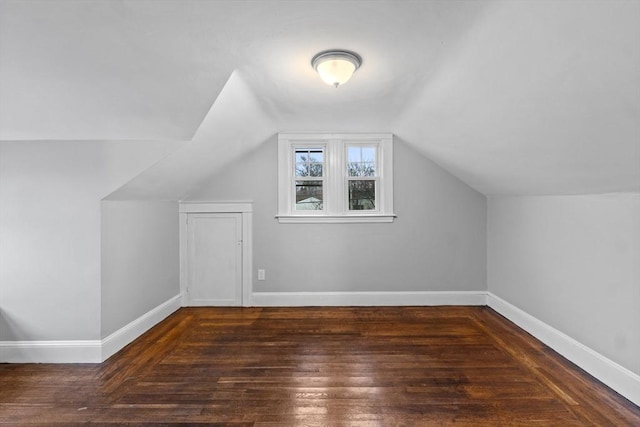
[[617, 377], [77, 351], [85, 351], [125, 335], [301, 299]]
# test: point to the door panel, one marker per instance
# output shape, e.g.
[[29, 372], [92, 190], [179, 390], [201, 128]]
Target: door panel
[[214, 259]]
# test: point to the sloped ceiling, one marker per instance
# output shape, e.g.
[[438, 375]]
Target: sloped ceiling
[[235, 124], [513, 97]]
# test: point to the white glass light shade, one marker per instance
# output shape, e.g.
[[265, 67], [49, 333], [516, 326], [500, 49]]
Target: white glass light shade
[[336, 67]]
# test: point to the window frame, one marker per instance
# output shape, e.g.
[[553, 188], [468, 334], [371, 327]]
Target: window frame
[[294, 178], [336, 177], [348, 178]]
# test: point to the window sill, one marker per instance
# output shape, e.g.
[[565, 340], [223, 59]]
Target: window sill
[[335, 219]]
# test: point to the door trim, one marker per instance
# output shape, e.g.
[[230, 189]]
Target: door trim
[[246, 210]]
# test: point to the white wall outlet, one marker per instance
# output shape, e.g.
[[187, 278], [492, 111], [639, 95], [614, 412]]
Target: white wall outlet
[[261, 275]]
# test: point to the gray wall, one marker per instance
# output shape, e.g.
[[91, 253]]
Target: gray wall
[[140, 259], [572, 262], [437, 243], [50, 195]]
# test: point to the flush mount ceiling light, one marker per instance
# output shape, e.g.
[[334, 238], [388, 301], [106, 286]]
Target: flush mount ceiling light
[[336, 67]]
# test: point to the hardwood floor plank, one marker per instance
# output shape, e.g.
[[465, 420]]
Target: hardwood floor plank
[[347, 366]]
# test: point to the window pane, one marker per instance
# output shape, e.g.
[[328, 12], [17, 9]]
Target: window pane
[[362, 195], [309, 154], [316, 155], [315, 169], [369, 154], [361, 160], [309, 169], [362, 169], [354, 154], [309, 195], [309, 162]]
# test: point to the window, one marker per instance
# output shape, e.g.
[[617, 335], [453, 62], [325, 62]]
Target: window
[[309, 177], [335, 177], [361, 176]]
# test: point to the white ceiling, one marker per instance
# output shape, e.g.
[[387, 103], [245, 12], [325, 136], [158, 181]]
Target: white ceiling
[[513, 97]]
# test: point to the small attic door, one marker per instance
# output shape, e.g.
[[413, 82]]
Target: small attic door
[[215, 251]]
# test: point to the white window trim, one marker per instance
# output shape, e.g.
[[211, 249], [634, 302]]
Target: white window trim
[[335, 204]]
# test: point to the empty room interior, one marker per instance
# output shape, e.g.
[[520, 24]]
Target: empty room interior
[[320, 212]]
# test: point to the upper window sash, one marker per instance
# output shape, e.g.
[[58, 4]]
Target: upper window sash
[[308, 161], [361, 159]]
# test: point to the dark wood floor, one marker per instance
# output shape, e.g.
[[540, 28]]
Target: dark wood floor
[[378, 366]]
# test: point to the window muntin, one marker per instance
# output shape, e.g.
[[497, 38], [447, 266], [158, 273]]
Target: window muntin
[[309, 161], [361, 160], [335, 177]]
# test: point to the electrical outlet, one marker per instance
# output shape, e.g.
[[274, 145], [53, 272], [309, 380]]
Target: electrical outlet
[[261, 275]]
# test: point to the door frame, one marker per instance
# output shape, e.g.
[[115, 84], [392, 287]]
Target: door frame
[[243, 208]]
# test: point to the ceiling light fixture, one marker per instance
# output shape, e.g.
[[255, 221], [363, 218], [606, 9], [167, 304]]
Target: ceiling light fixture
[[336, 67]]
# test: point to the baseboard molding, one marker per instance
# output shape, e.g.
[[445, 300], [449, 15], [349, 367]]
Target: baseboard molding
[[85, 351], [617, 377], [125, 335], [302, 299], [76, 351]]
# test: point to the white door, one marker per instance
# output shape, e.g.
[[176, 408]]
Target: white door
[[214, 259]]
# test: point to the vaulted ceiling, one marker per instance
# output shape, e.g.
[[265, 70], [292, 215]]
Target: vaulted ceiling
[[513, 97]]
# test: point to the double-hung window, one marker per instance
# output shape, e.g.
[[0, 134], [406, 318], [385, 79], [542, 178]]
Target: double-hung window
[[335, 177]]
